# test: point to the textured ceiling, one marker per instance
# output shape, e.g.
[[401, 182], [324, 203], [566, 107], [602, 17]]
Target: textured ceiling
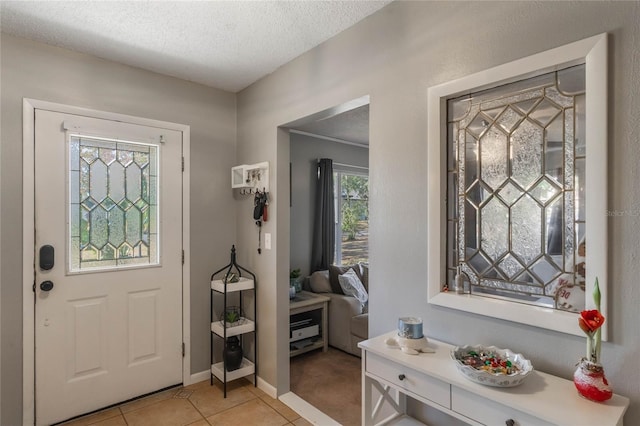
[[223, 44]]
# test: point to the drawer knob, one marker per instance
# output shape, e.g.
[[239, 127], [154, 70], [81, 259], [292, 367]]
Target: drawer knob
[[401, 377], [510, 422]]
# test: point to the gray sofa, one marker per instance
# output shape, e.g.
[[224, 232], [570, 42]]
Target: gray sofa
[[348, 319]]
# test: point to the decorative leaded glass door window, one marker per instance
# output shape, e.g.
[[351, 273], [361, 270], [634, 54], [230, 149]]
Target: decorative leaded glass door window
[[516, 189], [113, 214]]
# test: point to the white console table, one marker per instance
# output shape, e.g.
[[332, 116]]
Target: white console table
[[432, 378]]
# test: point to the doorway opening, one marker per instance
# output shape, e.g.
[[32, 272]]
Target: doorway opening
[[325, 324]]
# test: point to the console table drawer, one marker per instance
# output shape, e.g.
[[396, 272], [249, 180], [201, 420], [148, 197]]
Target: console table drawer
[[489, 412], [408, 379]]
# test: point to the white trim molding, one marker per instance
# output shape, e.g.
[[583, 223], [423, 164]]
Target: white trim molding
[[329, 138], [306, 410], [590, 51], [29, 107], [198, 377], [266, 387]]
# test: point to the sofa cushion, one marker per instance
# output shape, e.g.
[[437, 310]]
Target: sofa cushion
[[364, 275], [319, 282], [335, 271], [352, 286]]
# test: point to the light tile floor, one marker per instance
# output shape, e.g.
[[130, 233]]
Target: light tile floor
[[199, 405]]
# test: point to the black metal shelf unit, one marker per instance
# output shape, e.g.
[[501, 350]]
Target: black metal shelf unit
[[233, 282]]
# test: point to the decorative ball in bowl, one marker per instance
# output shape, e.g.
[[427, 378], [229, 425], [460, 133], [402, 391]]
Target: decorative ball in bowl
[[491, 366]]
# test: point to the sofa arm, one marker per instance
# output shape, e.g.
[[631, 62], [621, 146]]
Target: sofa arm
[[341, 310], [348, 306]]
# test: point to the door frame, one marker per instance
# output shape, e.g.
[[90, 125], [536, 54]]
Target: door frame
[[283, 148], [29, 107]]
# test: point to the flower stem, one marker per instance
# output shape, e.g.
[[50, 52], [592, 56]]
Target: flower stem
[[598, 332]]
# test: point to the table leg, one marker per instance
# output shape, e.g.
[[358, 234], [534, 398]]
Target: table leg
[[366, 398], [325, 326]]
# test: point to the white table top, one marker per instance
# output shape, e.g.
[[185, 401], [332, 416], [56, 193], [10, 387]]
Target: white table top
[[550, 398]]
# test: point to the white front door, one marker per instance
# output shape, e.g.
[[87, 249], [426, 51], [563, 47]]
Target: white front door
[[108, 272]]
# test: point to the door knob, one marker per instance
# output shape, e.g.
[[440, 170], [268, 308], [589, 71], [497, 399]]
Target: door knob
[[46, 285]]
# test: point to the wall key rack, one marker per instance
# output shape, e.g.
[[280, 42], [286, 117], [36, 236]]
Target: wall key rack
[[250, 178]]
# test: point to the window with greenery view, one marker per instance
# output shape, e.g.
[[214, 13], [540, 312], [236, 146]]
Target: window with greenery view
[[351, 192]]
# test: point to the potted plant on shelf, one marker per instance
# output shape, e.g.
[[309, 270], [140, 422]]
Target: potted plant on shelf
[[232, 316], [295, 280]]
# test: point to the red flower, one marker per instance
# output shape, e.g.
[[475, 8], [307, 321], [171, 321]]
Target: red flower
[[590, 321]]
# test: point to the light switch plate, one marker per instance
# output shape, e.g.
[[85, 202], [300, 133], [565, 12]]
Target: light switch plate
[[267, 241]]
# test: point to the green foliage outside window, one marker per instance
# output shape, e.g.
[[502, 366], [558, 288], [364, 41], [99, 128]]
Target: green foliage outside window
[[355, 207]]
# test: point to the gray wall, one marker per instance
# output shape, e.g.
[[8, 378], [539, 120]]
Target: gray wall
[[305, 151], [394, 56], [34, 70]]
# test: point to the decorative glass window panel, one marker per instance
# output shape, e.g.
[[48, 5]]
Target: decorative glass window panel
[[113, 214], [514, 103], [516, 185]]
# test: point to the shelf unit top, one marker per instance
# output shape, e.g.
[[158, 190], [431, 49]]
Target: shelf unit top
[[242, 284], [218, 328]]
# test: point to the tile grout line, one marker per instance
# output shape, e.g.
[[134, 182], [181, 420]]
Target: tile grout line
[[282, 414], [276, 411], [252, 399], [93, 414], [226, 409], [196, 408], [122, 414], [238, 404]]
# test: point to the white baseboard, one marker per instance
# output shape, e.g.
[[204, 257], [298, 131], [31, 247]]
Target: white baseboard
[[306, 410], [199, 377], [267, 388], [262, 384]]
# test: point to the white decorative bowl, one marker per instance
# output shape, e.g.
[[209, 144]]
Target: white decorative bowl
[[490, 378]]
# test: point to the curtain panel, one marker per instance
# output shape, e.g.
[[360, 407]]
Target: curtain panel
[[322, 251]]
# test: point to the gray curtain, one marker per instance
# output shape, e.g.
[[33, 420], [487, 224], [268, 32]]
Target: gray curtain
[[324, 219]]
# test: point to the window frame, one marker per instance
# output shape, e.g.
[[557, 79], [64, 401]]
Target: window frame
[[592, 52], [154, 257]]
